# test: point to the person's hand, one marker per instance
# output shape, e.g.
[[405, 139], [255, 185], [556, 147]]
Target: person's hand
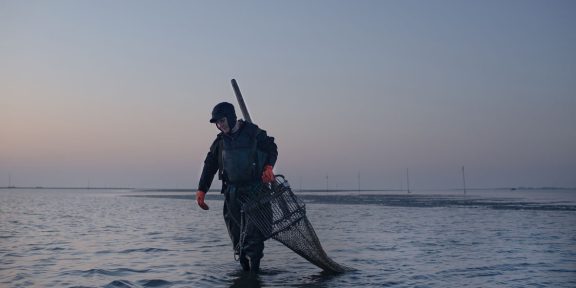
[[268, 175], [200, 199]]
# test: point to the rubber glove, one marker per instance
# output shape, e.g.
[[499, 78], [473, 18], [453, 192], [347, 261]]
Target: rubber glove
[[200, 199], [268, 175]]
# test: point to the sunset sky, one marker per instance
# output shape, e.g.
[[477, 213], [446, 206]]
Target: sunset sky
[[119, 93]]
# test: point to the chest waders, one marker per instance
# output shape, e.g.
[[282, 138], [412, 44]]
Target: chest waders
[[242, 165]]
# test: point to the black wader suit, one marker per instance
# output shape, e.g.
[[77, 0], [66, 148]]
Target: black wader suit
[[240, 157]]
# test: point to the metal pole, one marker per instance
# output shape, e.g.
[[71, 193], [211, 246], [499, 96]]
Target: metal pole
[[241, 101]]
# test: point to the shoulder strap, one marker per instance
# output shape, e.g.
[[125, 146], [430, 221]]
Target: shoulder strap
[[253, 129]]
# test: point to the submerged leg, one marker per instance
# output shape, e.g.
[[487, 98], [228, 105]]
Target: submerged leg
[[254, 248], [231, 213], [245, 263]]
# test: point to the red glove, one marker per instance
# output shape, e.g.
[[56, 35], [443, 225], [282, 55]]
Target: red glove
[[267, 175], [200, 199]]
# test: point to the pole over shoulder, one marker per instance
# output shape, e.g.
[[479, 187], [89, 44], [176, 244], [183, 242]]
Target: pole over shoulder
[[241, 101]]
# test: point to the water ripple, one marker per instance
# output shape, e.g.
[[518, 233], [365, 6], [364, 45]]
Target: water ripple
[[109, 272], [120, 284], [155, 283], [144, 250]]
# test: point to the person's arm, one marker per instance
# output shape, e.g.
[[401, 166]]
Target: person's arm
[[267, 145], [208, 171]]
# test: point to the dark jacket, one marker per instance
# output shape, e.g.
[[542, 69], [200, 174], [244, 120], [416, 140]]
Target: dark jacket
[[212, 163]]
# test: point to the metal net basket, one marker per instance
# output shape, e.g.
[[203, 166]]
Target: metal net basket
[[276, 211]]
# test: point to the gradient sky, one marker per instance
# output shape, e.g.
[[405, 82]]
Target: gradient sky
[[119, 93]]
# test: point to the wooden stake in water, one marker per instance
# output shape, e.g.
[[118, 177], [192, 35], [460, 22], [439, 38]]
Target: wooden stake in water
[[10, 181], [464, 180], [408, 181]]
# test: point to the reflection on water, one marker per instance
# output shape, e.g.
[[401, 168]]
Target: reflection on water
[[246, 280], [91, 238]]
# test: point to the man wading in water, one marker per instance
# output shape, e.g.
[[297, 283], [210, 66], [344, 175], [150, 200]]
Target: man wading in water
[[244, 155]]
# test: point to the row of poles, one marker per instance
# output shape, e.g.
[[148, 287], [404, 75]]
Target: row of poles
[[407, 182]]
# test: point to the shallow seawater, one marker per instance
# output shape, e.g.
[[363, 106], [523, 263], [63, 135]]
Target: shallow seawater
[[102, 238]]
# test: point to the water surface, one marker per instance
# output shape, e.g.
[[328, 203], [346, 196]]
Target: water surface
[[100, 238]]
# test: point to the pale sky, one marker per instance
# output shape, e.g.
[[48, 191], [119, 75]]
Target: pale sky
[[119, 93]]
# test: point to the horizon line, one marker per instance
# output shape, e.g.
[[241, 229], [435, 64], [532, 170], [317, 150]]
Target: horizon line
[[299, 190]]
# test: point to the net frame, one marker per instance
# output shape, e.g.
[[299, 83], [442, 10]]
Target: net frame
[[279, 214]]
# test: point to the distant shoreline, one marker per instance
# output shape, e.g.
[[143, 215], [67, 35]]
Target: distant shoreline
[[297, 190]]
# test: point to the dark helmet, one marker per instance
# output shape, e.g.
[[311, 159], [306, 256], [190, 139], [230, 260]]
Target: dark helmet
[[224, 109]]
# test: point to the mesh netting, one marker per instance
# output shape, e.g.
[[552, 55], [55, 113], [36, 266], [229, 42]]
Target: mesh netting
[[279, 214]]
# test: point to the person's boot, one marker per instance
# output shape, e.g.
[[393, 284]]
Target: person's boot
[[245, 264], [255, 266]]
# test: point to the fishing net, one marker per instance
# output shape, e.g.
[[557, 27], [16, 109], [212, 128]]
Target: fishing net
[[279, 214]]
